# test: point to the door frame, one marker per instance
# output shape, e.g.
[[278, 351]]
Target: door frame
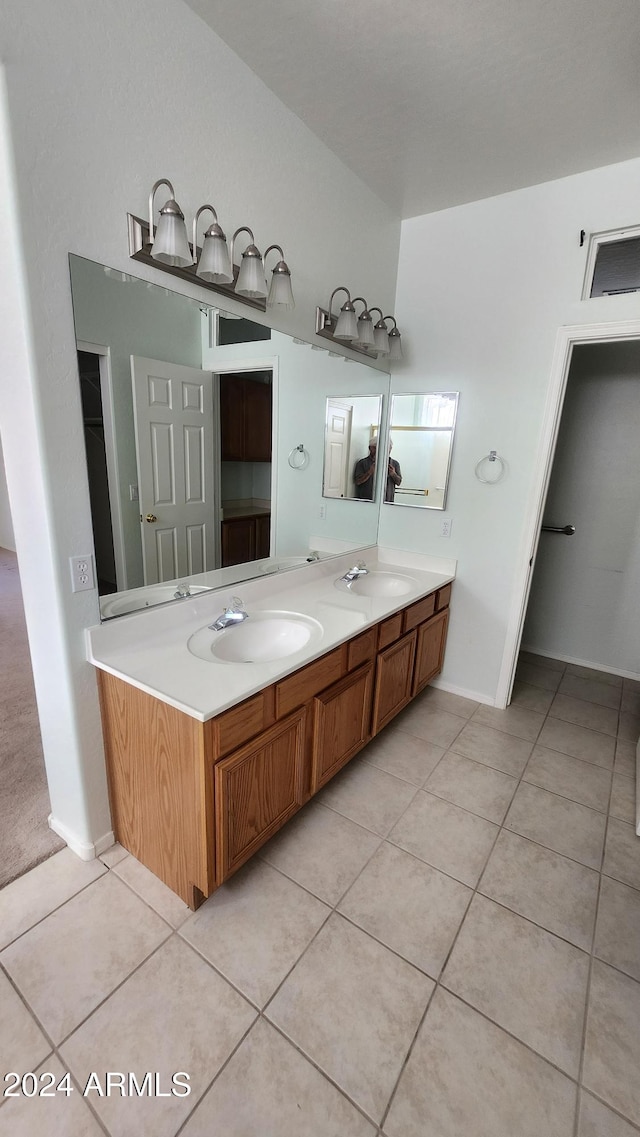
[[262, 363], [567, 338], [111, 454]]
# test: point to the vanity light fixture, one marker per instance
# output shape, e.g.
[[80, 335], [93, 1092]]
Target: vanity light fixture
[[359, 332], [166, 246]]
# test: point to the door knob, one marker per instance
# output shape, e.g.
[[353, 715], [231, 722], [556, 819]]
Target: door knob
[[151, 517]]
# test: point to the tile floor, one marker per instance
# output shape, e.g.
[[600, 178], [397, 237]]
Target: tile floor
[[445, 942]]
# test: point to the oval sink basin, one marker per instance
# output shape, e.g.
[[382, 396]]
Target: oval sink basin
[[144, 598], [382, 584], [263, 638]]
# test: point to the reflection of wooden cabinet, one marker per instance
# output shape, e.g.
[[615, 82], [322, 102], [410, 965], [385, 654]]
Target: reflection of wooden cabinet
[[257, 789], [245, 539], [193, 801], [263, 535], [245, 419]]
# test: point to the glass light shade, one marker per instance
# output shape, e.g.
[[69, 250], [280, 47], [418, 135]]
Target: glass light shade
[[365, 331], [395, 344], [347, 325], [251, 279], [170, 245], [381, 339], [280, 292], [214, 264]]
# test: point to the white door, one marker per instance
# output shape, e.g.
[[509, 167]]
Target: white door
[[336, 452], [173, 420]]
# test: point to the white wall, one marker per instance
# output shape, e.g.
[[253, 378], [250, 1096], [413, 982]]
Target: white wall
[[482, 291], [7, 539], [102, 100], [584, 596]]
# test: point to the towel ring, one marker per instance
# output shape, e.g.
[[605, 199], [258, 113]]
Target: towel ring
[[298, 458], [500, 469]]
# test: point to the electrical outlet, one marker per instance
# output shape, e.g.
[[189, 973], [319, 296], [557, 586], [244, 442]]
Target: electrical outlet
[[82, 577], [446, 526], [323, 512]]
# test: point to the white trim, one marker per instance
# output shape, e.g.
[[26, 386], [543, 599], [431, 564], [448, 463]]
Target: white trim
[[566, 339], [606, 237], [83, 849], [113, 476], [451, 689], [580, 662]]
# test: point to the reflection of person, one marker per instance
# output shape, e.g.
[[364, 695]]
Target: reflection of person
[[364, 474]]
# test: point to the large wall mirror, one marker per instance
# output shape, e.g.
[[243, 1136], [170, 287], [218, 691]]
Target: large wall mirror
[[205, 437], [352, 426], [420, 446]]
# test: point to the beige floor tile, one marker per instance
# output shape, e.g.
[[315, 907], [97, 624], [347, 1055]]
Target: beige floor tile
[[622, 853], [174, 1014], [446, 701], [525, 979], [433, 725], [353, 1007], [625, 762], [570, 777], [595, 675], [629, 685], [618, 928], [631, 701], [445, 836], [547, 678], [596, 1120], [559, 824], [61, 1114], [412, 908], [515, 720], [111, 856], [588, 745], [33, 896], [321, 850], [612, 1047], [629, 726], [403, 755], [542, 661], [592, 716], [368, 796], [551, 890], [473, 786], [591, 690], [531, 698], [22, 1043], [466, 1078], [493, 748], [254, 928], [71, 961], [152, 890], [623, 798], [288, 1098]]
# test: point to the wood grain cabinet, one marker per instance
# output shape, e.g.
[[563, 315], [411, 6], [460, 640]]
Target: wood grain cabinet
[[193, 801], [245, 419], [245, 539]]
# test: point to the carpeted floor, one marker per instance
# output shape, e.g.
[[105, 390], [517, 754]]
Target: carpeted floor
[[25, 837]]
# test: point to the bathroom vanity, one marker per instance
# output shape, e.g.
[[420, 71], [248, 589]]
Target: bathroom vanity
[[208, 756]]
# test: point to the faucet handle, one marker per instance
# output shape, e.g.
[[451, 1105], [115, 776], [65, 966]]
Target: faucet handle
[[235, 604]]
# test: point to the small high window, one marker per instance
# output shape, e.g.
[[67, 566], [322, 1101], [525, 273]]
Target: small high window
[[613, 263]]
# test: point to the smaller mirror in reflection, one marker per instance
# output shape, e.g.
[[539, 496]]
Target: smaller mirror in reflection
[[421, 439], [352, 428]]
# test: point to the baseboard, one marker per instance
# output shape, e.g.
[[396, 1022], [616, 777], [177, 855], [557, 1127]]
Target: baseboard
[[463, 692], [82, 849], [581, 662]]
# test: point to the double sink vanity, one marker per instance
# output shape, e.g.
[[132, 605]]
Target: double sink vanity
[[216, 735]]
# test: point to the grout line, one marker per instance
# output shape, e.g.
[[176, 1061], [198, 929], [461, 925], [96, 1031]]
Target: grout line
[[57, 907]]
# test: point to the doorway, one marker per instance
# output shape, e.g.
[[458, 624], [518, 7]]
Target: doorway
[[246, 470], [585, 435]]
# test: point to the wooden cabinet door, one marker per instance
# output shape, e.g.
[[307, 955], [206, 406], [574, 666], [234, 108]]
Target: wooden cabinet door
[[394, 676], [238, 541], [341, 727], [263, 535], [257, 789], [257, 421], [430, 650], [231, 418]]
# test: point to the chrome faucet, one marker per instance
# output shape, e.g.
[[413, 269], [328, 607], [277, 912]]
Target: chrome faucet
[[358, 570], [232, 615], [182, 591]]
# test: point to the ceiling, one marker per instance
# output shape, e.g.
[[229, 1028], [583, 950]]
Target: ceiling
[[438, 102]]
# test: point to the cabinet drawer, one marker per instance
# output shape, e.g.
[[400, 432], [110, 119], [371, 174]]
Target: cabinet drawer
[[341, 725], [419, 612], [361, 649], [303, 685], [443, 597], [394, 675], [238, 725], [389, 630]]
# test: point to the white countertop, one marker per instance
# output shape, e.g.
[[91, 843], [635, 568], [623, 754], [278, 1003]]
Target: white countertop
[[149, 648]]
